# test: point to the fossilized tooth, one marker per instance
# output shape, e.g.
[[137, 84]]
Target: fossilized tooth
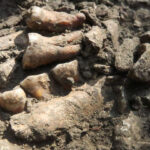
[[37, 85], [13, 101], [11, 40], [48, 118], [42, 19], [59, 40], [41, 53], [66, 74]]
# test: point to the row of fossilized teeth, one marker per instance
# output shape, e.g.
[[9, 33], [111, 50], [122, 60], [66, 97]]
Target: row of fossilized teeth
[[39, 86], [42, 51]]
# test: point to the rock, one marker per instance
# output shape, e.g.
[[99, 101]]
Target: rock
[[136, 3], [65, 7], [107, 55], [12, 40], [13, 20], [37, 86], [146, 101], [13, 101], [50, 119], [102, 11], [66, 74], [93, 41], [103, 69], [6, 70], [86, 5], [91, 16], [3, 126], [141, 68], [54, 4], [136, 102], [87, 74], [121, 99], [137, 24], [6, 145], [124, 58], [145, 38], [113, 29], [41, 19], [114, 13], [127, 135], [142, 48]]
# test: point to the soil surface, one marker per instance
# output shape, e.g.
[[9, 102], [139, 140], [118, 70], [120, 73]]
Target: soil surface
[[114, 59]]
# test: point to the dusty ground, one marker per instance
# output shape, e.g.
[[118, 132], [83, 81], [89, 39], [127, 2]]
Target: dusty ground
[[123, 121]]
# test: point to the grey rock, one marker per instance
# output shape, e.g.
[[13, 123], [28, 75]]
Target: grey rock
[[107, 55], [125, 55], [83, 5], [145, 38], [13, 20], [137, 23], [113, 13], [93, 41], [113, 28], [6, 145], [6, 70], [142, 48], [66, 7], [91, 17], [127, 135], [138, 2], [3, 127], [102, 11], [87, 74], [122, 103], [141, 69], [12, 40]]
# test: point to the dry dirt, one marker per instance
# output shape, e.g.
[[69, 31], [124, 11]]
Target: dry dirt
[[123, 121]]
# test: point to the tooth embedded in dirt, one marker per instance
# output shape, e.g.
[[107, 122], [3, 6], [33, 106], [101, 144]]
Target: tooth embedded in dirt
[[48, 118], [59, 40], [41, 53], [42, 19], [11, 40], [37, 85], [13, 101], [66, 74]]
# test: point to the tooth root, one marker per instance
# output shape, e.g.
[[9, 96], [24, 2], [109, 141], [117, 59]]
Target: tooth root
[[42, 19]]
